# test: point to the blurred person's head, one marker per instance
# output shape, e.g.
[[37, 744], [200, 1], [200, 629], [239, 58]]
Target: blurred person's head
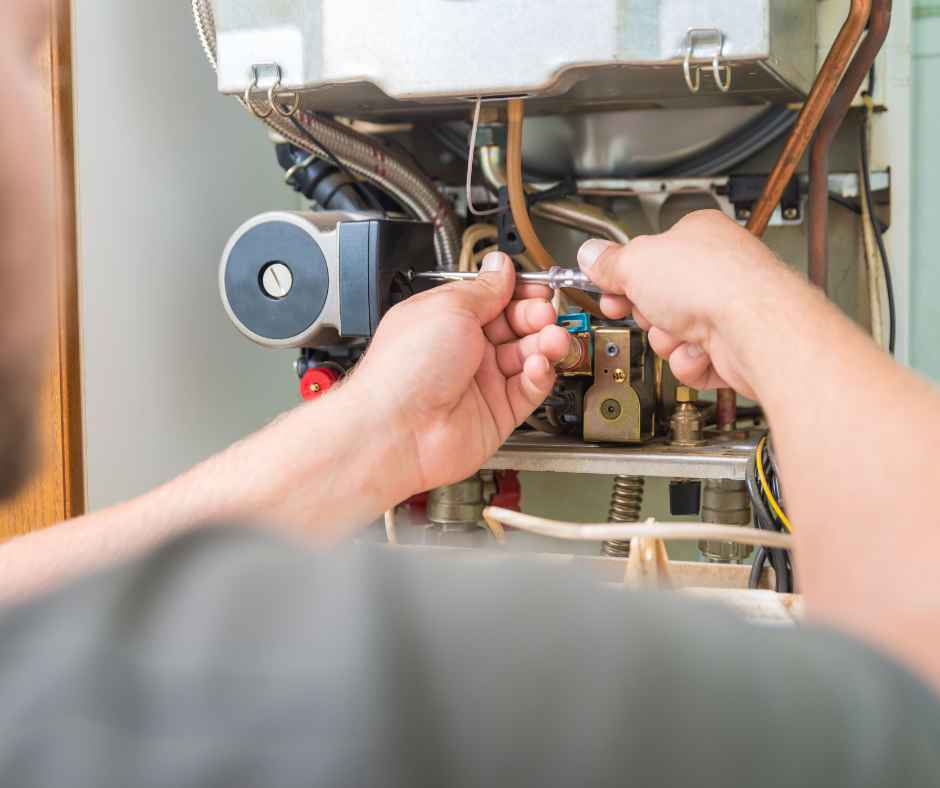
[[27, 231]]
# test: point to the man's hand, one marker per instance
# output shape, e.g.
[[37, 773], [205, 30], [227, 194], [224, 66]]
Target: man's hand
[[455, 369], [690, 288]]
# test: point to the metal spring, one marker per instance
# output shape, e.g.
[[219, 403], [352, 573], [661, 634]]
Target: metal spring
[[625, 505]]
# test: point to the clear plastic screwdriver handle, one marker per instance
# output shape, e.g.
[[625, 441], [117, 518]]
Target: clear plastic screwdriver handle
[[555, 277], [558, 277]]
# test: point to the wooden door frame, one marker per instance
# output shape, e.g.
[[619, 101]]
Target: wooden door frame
[[58, 490], [69, 335]]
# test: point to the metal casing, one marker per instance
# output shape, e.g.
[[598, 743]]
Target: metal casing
[[362, 58], [319, 321], [621, 405]]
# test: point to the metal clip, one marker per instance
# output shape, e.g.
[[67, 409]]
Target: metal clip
[[694, 84], [273, 102], [289, 175]]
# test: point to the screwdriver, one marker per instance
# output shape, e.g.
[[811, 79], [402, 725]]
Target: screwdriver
[[555, 277]]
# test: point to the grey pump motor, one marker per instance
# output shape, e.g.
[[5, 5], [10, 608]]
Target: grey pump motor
[[304, 279]]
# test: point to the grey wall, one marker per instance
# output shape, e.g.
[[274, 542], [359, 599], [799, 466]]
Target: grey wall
[[925, 207], [166, 170]]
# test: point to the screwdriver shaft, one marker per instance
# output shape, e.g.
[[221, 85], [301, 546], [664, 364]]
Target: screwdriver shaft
[[556, 278]]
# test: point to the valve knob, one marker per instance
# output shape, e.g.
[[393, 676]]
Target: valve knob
[[317, 381]]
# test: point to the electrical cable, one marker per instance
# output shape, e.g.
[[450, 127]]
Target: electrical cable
[[843, 202], [451, 139], [650, 528], [864, 141], [470, 157], [391, 533], [775, 507], [472, 236], [757, 568], [743, 143], [366, 194], [778, 559]]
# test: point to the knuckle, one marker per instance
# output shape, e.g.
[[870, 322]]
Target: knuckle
[[701, 219]]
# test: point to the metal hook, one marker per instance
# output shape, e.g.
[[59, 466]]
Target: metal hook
[[253, 85], [275, 104], [725, 86], [694, 83]]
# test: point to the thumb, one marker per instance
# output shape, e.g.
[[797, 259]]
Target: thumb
[[490, 293], [606, 265]]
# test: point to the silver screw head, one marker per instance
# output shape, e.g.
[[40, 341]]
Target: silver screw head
[[276, 280], [611, 349]]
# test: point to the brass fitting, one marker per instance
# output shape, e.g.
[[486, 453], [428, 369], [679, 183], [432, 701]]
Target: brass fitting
[[457, 504], [686, 424], [577, 360], [727, 502]]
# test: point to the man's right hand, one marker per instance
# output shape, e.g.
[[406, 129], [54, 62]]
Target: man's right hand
[[695, 288]]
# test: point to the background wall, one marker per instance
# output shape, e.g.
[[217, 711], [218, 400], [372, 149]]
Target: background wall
[[167, 169], [925, 198]]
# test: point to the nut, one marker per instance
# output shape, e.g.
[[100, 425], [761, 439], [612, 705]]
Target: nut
[[686, 394]]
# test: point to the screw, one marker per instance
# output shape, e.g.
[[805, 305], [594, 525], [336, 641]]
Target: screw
[[790, 213], [276, 280], [619, 376], [743, 213], [610, 409], [612, 349]]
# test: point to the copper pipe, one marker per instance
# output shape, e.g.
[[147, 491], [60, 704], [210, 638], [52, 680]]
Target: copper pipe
[[813, 108], [569, 213], [520, 208], [818, 211], [827, 80], [726, 410]]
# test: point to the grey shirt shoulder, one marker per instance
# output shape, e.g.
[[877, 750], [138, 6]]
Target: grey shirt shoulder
[[230, 658]]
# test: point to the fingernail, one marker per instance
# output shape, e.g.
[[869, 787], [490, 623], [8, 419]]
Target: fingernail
[[693, 351], [492, 262], [591, 250]]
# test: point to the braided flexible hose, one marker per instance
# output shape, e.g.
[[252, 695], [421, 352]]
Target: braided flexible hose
[[385, 169], [626, 503]]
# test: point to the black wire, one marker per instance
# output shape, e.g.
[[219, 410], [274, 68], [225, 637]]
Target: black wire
[[838, 199], [757, 568], [450, 139], [741, 144], [876, 226], [779, 559], [366, 193]]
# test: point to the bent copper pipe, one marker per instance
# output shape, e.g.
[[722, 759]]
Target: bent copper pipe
[[569, 213], [825, 84], [818, 210], [813, 108]]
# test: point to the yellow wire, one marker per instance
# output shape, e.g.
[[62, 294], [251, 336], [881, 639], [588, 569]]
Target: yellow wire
[[763, 480]]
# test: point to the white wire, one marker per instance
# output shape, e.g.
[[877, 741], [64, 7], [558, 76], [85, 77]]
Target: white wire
[[390, 530], [601, 532], [470, 156], [873, 266]]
